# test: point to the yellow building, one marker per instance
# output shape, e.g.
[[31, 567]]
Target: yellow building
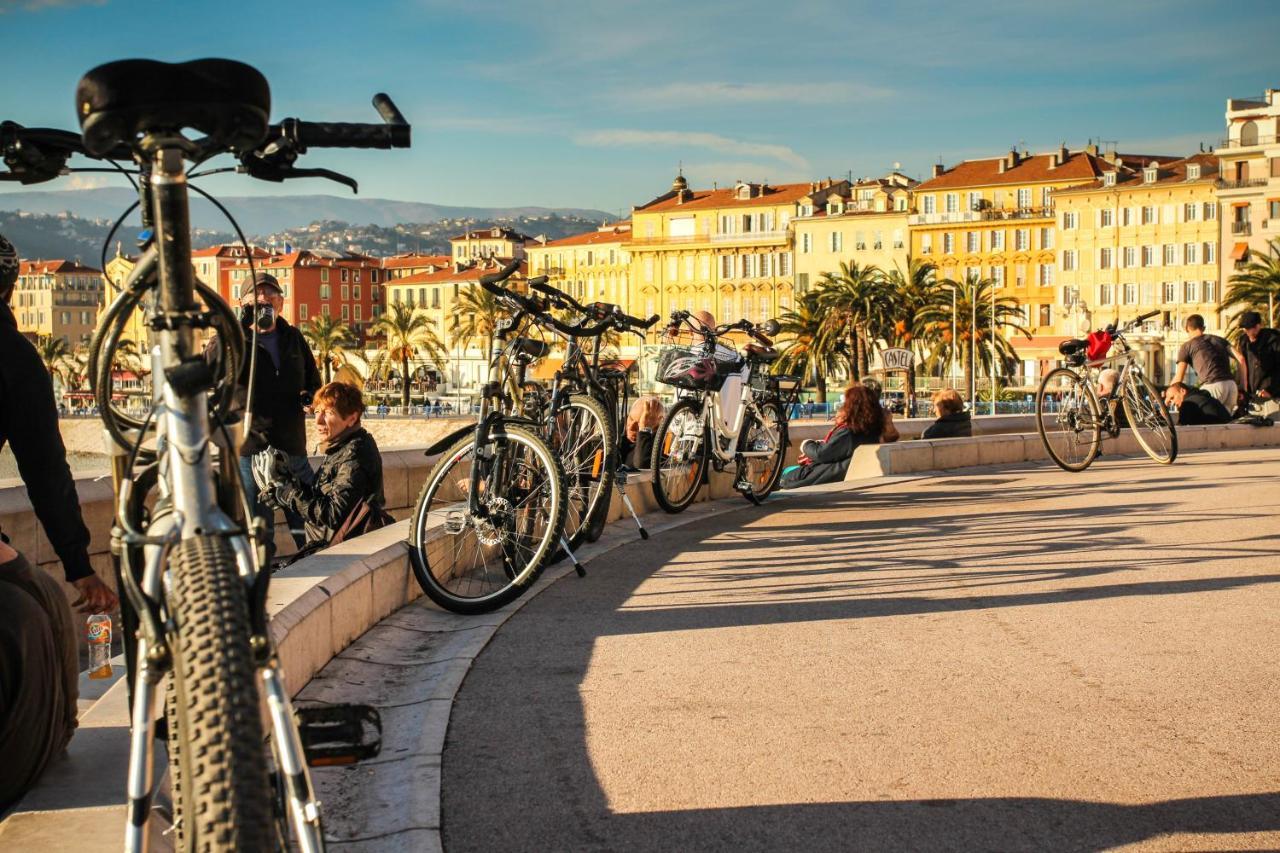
[[57, 299], [994, 218], [117, 272], [1249, 185], [399, 266], [1141, 238], [485, 243], [727, 251], [591, 266], [865, 222]]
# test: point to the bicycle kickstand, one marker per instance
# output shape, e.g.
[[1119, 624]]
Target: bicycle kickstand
[[577, 567], [626, 501]]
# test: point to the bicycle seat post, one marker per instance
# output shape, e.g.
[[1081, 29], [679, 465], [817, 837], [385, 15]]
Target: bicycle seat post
[[172, 217]]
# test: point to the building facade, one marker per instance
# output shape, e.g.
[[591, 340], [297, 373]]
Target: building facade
[[486, 243], [58, 299], [864, 222], [594, 266], [1249, 180], [320, 282]]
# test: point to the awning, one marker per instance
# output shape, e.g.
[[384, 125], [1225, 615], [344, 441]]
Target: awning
[[1239, 251]]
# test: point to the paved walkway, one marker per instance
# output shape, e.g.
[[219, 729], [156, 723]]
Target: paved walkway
[[1007, 660]]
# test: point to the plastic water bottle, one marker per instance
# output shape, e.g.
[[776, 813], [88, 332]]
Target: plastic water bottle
[[99, 635]]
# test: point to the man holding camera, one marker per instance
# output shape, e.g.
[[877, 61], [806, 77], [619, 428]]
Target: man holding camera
[[284, 381]]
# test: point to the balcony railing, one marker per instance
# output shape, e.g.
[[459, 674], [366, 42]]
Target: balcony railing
[[1241, 184], [734, 237], [1260, 139], [1241, 229], [990, 214]]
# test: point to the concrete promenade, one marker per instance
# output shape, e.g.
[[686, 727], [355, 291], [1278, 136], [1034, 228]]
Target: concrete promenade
[[1007, 659]]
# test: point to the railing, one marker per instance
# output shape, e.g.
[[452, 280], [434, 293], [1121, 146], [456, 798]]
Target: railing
[[1257, 140], [992, 214], [1241, 229], [1241, 184], [736, 237]]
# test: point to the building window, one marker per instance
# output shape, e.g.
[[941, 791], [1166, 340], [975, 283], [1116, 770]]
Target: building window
[[706, 267], [1170, 292], [1106, 294], [1130, 257], [324, 274], [359, 315], [997, 276], [930, 204], [1191, 253], [1046, 315], [926, 244], [346, 313], [1019, 275], [972, 241], [1210, 253], [953, 202], [302, 311], [1130, 294], [1068, 260], [1126, 216], [1021, 238], [806, 243], [802, 282], [726, 266], [1046, 238], [435, 297], [1070, 220], [1190, 211], [859, 241], [1024, 198], [1106, 217], [1210, 210], [1210, 291], [997, 240], [948, 243], [897, 238], [1148, 256], [1046, 275], [1189, 291], [324, 288], [1193, 171], [1170, 254], [344, 273], [346, 290], [324, 309], [1108, 179], [373, 276]]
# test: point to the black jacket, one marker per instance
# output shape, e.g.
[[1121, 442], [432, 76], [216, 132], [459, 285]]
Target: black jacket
[[279, 393], [29, 423], [1199, 407], [351, 470], [830, 462], [951, 425], [1263, 358]]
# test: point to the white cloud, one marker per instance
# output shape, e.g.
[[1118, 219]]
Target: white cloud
[[679, 139], [675, 94], [85, 182], [41, 5]]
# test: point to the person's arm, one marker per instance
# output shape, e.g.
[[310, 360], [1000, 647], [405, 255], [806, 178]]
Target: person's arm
[[330, 504], [835, 449], [1242, 374], [1181, 373], [890, 434]]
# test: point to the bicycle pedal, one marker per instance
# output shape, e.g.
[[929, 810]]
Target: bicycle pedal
[[339, 734]]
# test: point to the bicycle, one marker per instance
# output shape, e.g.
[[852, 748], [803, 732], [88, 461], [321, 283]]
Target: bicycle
[[191, 570], [586, 411], [693, 430], [1070, 416], [492, 509]]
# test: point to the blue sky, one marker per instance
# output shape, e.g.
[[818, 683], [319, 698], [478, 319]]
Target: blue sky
[[593, 105]]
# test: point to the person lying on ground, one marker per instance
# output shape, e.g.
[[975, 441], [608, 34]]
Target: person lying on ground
[[860, 420], [1196, 405], [953, 421]]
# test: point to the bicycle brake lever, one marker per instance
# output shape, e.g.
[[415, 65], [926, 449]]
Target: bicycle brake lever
[[282, 173]]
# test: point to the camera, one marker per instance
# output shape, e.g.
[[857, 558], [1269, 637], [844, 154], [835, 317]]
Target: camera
[[263, 315]]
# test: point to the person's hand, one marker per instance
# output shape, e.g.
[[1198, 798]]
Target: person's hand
[[804, 460], [95, 596], [1266, 395], [633, 430]]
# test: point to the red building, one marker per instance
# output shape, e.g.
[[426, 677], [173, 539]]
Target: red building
[[316, 283]]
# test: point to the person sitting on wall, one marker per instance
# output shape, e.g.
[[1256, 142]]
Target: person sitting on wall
[[1108, 380], [1196, 405], [890, 433], [345, 498], [636, 448], [953, 421], [859, 420]]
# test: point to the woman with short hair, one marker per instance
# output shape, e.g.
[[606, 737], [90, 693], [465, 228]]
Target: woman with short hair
[[953, 421]]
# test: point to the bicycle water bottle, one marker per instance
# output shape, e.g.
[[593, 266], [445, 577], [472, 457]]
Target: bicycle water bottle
[[99, 635]]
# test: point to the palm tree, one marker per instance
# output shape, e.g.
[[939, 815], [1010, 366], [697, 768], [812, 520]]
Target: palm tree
[[333, 341], [855, 304], [812, 350], [56, 356], [408, 331], [910, 295], [475, 316], [974, 303], [1256, 287]]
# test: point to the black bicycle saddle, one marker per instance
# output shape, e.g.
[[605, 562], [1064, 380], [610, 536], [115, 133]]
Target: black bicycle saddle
[[228, 101]]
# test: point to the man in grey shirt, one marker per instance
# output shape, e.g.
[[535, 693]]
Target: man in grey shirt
[[1210, 356]]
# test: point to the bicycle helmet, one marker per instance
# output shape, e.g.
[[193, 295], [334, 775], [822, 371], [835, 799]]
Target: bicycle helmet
[[8, 268]]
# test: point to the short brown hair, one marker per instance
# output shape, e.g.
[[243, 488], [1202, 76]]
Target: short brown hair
[[947, 401], [344, 398], [1195, 321]]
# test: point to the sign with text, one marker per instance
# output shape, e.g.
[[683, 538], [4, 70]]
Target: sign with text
[[896, 359]]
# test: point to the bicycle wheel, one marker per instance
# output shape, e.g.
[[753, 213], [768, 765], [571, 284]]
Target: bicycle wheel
[[679, 456], [581, 436], [222, 801], [475, 562], [766, 430], [1072, 434], [1149, 419]]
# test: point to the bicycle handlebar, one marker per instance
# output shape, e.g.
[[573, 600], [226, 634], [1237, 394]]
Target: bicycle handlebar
[[394, 132], [489, 282]]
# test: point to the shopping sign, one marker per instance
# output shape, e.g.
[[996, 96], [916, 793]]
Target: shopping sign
[[896, 358]]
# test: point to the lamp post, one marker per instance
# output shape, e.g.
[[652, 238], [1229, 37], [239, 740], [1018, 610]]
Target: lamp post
[[954, 343], [973, 352], [993, 347]]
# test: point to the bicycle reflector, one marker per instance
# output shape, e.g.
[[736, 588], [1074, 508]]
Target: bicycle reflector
[[1099, 345]]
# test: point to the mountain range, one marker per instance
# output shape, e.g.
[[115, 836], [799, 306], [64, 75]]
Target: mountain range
[[271, 214]]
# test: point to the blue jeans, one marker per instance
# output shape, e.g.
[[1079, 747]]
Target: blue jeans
[[302, 470]]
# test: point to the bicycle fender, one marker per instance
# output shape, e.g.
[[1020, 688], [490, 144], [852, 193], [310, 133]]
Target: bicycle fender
[[442, 444]]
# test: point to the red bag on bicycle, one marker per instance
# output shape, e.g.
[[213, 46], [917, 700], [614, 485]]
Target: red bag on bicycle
[[1099, 345]]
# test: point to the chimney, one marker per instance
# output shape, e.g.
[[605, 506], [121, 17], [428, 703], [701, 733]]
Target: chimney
[[938, 169], [1012, 159], [1063, 153]]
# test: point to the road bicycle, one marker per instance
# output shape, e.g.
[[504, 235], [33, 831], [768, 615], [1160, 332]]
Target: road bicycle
[[697, 363], [1072, 414], [492, 511], [585, 410], [191, 570]]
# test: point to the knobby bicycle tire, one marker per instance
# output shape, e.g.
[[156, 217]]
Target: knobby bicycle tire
[[1159, 411], [698, 463], [222, 800], [518, 578], [1093, 427], [757, 495]]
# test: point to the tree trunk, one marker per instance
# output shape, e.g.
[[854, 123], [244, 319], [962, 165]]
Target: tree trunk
[[854, 373], [404, 382], [328, 369], [909, 404], [973, 375]]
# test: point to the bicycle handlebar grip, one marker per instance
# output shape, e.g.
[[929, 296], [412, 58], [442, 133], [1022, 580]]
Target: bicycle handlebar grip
[[637, 322], [387, 109], [501, 275], [338, 134], [536, 283], [1146, 316]]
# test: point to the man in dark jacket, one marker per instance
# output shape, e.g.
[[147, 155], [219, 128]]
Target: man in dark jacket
[[1196, 406], [284, 381], [350, 473], [1259, 358]]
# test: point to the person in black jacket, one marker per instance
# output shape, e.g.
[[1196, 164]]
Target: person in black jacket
[[350, 473], [1258, 352], [953, 421], [860, 420], [1196, 406], [285, 379]]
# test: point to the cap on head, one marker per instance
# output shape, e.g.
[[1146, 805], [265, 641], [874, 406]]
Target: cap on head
[[8, 267], [1249, 319], [262, 279]]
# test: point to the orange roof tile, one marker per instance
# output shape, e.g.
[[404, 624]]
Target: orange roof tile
[[1079, 165], [413, 260], [448, 276], [611, 235], [1170, 171], [54, 267], [703, 199]]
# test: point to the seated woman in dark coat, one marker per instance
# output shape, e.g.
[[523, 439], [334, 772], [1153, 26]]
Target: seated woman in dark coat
[[953, 421], [860, 420]]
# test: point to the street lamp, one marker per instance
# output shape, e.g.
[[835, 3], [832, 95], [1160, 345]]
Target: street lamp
[[954, 343], [973, 351], [994, 381]]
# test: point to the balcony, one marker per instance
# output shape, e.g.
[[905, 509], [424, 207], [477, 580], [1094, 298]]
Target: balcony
[[990, 214], [1241, 229], [1241, 184], [736, 237], [1232, 144]]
